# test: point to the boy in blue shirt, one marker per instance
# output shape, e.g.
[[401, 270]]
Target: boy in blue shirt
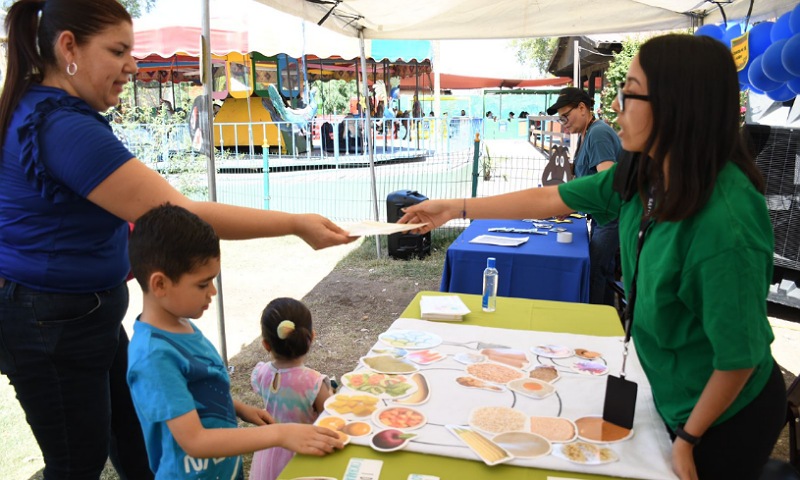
[[179, 384]]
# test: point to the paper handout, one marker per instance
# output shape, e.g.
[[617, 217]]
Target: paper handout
[[370, 227], [500, 241]]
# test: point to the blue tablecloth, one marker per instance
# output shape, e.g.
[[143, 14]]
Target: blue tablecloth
[[540, 269]]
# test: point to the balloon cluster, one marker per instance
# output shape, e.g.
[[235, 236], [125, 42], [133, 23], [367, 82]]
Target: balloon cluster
[[773, 67]]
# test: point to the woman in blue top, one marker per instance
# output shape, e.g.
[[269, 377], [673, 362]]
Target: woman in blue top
[[699, 322], [69, 187]]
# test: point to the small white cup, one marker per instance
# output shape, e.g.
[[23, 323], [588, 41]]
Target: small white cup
[[564, 237]]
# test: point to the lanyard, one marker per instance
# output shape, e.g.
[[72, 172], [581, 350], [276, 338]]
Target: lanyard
[[644, 227]]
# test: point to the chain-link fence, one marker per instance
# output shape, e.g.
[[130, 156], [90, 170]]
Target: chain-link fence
[[324, 168]]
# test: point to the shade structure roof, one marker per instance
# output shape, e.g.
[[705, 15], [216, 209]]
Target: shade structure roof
[[245, 26], [462, 19]]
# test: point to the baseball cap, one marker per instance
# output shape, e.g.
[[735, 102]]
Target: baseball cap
[[570, 96]]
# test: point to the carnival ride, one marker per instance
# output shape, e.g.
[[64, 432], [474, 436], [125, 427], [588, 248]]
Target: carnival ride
[[261, 77]]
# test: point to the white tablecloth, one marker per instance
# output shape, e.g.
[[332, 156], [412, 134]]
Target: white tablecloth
[[646, 455]]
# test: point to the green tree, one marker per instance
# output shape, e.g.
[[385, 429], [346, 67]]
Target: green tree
[[333, 96], [135, 7], [535, 53], [617, 70]]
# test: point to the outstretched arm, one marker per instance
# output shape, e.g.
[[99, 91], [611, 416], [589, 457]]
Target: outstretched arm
[[531, 203], [201, 442], [133, 189]]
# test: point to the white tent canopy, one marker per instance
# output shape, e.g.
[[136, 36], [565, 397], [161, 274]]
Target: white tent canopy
[[470, 19], [237, 26]]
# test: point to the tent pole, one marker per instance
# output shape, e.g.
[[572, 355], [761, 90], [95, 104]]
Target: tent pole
[[368, 136], [437, 80], [207, 122], [576, 80]]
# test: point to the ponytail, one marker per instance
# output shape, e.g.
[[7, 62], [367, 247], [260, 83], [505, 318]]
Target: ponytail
[[25, 65]]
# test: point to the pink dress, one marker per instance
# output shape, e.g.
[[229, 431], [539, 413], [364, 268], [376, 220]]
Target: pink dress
[[289, 396]]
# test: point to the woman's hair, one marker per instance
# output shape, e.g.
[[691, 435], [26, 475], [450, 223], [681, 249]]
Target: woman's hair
[[33, 27], [694, 96], [297, 341]]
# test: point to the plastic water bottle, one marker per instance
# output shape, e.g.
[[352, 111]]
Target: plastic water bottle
[[489, 302]]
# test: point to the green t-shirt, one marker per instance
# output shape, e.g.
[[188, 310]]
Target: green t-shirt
[[702, 288]]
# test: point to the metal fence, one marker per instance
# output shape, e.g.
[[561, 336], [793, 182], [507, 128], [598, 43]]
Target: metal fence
[[326, 170]]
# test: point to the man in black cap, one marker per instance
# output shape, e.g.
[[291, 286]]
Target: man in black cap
[[598, 148]]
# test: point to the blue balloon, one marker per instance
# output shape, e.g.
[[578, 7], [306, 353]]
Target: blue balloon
[[794, 19], [782, 94], [756, 91], [757, 77], [759, 39], [772, 62], [794, 85], [781, 29], [711, 30], [731, 33], [790, 56]]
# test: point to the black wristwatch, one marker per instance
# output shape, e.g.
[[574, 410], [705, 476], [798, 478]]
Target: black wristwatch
[[688, 437]]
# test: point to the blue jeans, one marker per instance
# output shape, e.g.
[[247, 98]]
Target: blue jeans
[[66, 356], [603, 248]]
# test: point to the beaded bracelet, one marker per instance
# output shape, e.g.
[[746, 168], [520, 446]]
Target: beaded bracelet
[[464, 210]]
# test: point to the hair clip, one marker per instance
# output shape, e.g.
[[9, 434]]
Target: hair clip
[[285, 328]]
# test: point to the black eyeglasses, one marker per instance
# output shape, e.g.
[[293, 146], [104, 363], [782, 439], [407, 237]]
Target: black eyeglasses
[[622, 96], [564, 118]]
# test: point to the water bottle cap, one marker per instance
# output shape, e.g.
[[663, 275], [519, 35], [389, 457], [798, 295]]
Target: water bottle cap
[[490, 262]]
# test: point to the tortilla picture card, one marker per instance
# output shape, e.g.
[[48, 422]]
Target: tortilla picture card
[[553, 351], [585, 453], [410, 339], [590, 368], [555, 429], [379, 384], [523, 444]]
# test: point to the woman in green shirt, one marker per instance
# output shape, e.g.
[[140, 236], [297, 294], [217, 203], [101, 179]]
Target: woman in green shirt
[[700, 324]]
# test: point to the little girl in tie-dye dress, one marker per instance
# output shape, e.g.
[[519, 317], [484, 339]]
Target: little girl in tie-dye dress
[[292, 392]]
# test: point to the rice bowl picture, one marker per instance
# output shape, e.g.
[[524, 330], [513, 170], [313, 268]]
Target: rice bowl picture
[[494, 420]]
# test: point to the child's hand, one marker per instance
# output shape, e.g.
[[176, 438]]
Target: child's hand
[[308, 439], [250, 414]]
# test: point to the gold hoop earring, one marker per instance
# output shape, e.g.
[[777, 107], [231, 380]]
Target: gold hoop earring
[[72, 69]]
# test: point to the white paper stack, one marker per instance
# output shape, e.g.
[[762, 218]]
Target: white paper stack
[[448, 308]]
